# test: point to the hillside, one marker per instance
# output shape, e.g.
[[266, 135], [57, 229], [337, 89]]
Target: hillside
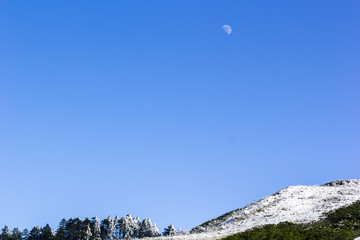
[[296, 204], [340, 224]]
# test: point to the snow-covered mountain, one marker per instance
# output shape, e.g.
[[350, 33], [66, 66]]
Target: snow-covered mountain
[[298, 204]]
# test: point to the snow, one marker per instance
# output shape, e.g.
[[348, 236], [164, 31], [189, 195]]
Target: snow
[[298, 204]]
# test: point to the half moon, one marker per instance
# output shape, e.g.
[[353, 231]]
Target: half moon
[[227, 29]]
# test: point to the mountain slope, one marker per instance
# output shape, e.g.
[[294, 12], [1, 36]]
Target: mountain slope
[[297, 204]]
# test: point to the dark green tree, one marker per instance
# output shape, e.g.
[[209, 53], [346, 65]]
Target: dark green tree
[[35, 234], [16, 234], [5, 233], [85, 230], [47, 233], [25, 234], [61, 233]]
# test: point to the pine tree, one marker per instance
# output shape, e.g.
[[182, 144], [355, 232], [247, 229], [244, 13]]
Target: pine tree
[[75, 229], [69, 229], [170, 231], [117, 232], [147, 229], [85, 230], [25, 234], [154, 231], [136, 224], [144, 229], [61, 231], [5, 233], [47, 233], [87, 233], [16, 234], [95, 229], [35, 234], [108, 229], [72, 229], [126, 228]]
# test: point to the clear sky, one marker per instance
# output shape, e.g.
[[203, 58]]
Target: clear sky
[[150, 108]]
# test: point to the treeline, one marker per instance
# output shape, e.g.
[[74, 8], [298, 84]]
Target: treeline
[[91, 229], [340, 224]]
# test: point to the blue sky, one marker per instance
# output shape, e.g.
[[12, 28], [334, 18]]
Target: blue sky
[[149, 108]]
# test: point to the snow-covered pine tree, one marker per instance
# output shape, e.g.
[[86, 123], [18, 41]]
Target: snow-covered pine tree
[[108, 229], [85, 230], [112, 231], [119, 224], [170, 231], [88, 233], [126, 228], [154, 231], [95, 229], [136, 223], [147, 229], [144, 228], [116, 223]]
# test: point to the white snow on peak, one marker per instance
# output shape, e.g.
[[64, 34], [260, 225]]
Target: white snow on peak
[[297, 204]]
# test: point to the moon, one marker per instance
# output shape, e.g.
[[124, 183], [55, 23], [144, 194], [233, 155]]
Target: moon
[[227, 29]]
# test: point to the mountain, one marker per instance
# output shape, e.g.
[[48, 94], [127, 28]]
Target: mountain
[[296, 204]]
